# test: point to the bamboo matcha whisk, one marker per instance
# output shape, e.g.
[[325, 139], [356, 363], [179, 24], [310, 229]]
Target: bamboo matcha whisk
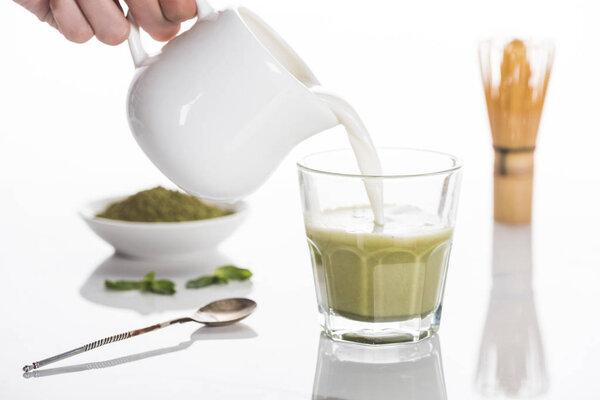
[[515, 77]]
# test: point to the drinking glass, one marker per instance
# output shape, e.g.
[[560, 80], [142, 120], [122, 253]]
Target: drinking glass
[[380, 284]]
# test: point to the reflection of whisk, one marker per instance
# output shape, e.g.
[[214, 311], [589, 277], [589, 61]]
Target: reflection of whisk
[[511, 358], [515, 78]]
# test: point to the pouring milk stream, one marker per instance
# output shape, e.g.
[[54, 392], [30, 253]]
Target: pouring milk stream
[[223, 103], [362, 146]]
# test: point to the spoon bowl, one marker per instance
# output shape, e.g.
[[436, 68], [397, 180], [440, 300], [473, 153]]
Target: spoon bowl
[[224, 312]]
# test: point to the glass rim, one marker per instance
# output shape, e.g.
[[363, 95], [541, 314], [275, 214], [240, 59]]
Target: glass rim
[[457, 164]]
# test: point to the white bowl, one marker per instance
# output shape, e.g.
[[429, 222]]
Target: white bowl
[[152, 240]]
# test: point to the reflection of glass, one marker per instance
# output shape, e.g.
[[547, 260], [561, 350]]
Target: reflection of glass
[[349, 371], [511, 358], [380, 283]]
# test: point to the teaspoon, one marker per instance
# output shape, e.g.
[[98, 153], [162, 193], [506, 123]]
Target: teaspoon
[[217, 313]]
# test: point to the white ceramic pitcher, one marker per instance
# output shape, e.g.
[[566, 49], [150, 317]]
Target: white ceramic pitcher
[[222, 104]]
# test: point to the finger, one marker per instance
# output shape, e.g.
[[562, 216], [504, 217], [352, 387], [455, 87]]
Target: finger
[[70, 21], [49, 18], [107, 20], [118, 4], [149, 16], [178, 10], [40, 8]]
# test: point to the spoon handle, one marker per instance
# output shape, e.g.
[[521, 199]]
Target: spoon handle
[[102, 342]]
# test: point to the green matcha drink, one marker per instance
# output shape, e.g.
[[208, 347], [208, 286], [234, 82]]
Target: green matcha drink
[[370, 273]]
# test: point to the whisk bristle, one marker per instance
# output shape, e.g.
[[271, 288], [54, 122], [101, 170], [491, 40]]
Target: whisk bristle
[[515, 79]]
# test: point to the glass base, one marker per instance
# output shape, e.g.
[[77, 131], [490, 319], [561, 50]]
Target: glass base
[[380, 333]]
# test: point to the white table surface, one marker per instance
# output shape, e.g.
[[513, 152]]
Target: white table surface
[[539, 333], [64, 140]]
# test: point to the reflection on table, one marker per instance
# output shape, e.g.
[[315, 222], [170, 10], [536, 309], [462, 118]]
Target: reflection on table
[[355, 372], [511, 357], [230, 332]]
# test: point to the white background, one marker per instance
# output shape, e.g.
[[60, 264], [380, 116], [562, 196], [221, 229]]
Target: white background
[[410, 69]]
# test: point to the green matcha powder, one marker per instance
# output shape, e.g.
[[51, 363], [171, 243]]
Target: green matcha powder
[[161, 205]]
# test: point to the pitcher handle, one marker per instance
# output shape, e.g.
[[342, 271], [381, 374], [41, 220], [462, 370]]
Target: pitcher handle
[[138, 54]]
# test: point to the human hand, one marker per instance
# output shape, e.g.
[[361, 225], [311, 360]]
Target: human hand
[[79, 20]]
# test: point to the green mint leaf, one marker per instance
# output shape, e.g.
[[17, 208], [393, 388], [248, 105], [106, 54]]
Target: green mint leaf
[[162, 286], [232, 272], [148, 284], [222, 275], [149, 277], [201, 282], [123, 285]]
